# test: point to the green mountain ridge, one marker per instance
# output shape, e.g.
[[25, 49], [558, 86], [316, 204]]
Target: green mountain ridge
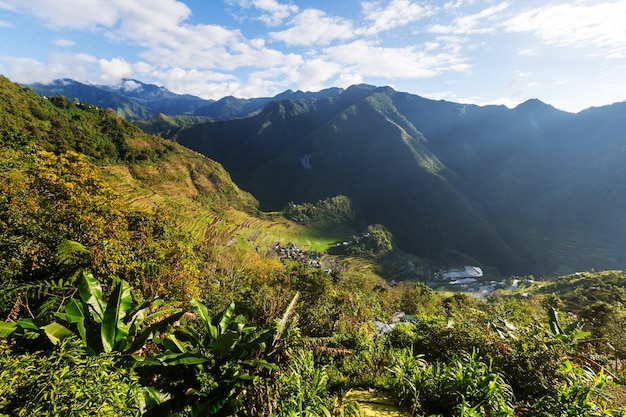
[[513, 188], [134, 100], [139, 279]]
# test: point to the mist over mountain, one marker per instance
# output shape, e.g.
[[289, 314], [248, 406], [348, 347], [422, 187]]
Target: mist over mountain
[[131, 99], [138, 101], [528, 189]]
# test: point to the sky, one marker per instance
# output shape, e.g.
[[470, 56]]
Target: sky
[[570, 54]]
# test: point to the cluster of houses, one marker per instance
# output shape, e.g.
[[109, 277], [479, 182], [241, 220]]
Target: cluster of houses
[[460, 273], [292, 252], [398, 317]]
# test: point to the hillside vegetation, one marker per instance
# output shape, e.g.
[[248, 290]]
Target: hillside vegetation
[[530, 189], [138, 279]]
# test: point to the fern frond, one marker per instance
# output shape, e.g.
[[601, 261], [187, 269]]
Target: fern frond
[[72, 255]]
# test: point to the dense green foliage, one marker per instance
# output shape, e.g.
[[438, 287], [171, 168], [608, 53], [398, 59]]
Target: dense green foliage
[[510, 188], [375, 240], [162, 122], [334, 210], [58, 124], [64, 381], [111, 308]]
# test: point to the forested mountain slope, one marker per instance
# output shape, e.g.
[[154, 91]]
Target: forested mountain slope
[[131, 284], [529, 189], [146, 209], [131, 99]]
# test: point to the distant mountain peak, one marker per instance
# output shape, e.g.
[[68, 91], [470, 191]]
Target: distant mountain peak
[[534, 104], [129, 84]]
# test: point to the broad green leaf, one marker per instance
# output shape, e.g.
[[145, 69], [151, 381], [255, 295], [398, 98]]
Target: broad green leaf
[[187, 358], [554, 321], [150, 397], [56, 332], [75, 314], [260, 364], [225, 342], [169, 359], [138, 313], [90, 291], [7, 328], [152, 330], [27, 324], [578, 324], [580, 334], [222, 320], [203, 313], [161, 315], [209, 407], [172, 343], [114, 330]]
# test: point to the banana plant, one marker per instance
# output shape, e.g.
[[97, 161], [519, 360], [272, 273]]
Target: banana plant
[[231, 355], [570, 333], [112, 325], [27, 328], [104, 326]]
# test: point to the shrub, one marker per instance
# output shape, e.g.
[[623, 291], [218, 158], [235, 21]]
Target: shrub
[[66, 382]]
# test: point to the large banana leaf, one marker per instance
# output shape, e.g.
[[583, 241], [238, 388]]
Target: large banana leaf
[[225, 343], [150, 397], [7, 328], [91, 293], [222, 320], [114, 331], [203, 314], [27, 324], [30, 329], [56, 332], [26, 328], [154, 329], [75, 314], [138, 314], [169, 359]]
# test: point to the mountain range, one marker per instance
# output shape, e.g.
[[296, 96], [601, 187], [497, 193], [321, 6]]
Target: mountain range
[[530, 189], [135, 100]]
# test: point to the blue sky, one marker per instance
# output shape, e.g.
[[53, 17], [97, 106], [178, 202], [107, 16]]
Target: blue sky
[[568, 53]]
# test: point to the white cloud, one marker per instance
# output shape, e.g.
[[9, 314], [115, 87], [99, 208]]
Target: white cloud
[[275, 12], [575, 25], [528, 52], [206, 84], [314, 74], [160, 30], [64, 42], [89, 14], [68, 13], [457, 4], [313, 26], [278, 12], [28, 70], [7, 5], [396, 13], [347, 79], [112, 71], [362, 57], [481, 22]]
